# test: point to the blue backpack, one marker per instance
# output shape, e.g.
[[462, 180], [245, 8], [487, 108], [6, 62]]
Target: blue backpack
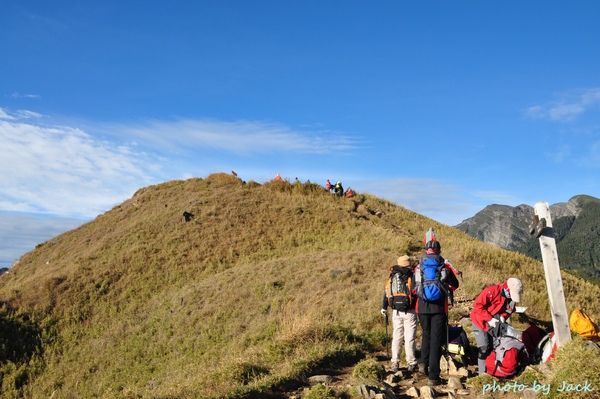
[[430, 286]]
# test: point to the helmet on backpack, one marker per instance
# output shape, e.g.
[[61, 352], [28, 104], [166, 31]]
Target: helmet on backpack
[[433, 244]]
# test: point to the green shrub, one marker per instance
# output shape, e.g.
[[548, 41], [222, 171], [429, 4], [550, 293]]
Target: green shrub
[[320, 391], [368, 371]]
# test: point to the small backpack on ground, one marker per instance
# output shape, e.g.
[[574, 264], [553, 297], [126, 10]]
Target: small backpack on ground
[[458, 342], [507, 358], [430, 286], [584, 325], [399, 288]]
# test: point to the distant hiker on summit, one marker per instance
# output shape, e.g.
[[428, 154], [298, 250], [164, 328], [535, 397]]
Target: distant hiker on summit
[[277, 178], [328, 185], [493, 306], [399, 297], [433, 279], [339, 190]]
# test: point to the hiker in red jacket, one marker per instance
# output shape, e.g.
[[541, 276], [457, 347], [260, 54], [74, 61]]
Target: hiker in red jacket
[[493, 305], [432, 312]]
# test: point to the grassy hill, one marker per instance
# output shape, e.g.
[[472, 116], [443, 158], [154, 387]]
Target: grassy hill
[[266, 284]]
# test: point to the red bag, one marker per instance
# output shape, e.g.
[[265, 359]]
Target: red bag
[[504, 361]]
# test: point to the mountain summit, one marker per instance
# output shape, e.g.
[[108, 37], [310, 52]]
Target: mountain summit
[[253, 289], [575, 223]]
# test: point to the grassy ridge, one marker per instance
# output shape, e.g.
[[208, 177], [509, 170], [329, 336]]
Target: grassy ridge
[[266, 283]]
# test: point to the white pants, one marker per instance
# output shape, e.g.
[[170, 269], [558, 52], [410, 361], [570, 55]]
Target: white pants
[[405, 329]]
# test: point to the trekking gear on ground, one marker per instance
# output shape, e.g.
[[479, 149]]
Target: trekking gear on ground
[[458, 342], [499, 329], [508, 354], [584, 325], [399, 288], [545, 350], [429, 279], [531, 337]]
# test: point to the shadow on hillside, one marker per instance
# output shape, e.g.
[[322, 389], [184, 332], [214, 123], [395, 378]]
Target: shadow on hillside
[[19, 338]]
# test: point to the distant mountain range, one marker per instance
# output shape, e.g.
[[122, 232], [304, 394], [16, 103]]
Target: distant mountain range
[[576, 226]]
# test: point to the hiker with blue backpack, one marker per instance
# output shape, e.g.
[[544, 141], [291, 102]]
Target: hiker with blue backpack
[[433, 279], [491, 309], [399, 298]]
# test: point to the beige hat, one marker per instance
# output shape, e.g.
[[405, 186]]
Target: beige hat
[[404, 260], [515, 288]]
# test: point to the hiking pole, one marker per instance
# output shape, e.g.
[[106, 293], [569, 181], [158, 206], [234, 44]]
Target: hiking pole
[[387, 342], [447, 347]]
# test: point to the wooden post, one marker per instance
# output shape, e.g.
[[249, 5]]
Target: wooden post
[[556, 294]]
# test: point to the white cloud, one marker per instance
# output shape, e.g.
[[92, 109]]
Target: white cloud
[[240, 137], [63, 170], [568, 107], [5, 116], [19, 95], [446, 203]]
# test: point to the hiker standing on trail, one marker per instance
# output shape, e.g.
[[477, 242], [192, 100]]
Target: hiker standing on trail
[[432, 280], [278, 177], [398, 296], [493, 305], [339, 190]]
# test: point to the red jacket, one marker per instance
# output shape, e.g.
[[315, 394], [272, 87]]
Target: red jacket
[[489, 303]]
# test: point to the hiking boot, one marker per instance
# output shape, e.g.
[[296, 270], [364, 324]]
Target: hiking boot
[[423, 369], [434, 383], [395, 366], [413, 368]]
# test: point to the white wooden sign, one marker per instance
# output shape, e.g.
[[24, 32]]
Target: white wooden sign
[[556, 294]]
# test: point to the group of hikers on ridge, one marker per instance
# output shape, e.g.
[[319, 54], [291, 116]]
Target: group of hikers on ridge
[[337, 188], [420, 293]]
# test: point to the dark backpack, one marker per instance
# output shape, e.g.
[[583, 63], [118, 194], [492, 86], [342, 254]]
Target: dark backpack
[[399, 288], [430, 286], [531, 337]]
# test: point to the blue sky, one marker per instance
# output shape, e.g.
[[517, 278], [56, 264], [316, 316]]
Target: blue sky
[[441, 107]]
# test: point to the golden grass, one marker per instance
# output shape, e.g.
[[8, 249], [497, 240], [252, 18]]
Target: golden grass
[[266, 283]]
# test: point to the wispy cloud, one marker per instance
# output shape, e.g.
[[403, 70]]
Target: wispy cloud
[[66, 170], [239, 137], [423, 196], [561, 154], [568, 107], [19, 95], [62, 170]]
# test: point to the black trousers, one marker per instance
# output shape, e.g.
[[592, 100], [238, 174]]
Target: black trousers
[[434, 337]]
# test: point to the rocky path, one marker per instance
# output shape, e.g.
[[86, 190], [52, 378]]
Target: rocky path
[[406, 385]]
